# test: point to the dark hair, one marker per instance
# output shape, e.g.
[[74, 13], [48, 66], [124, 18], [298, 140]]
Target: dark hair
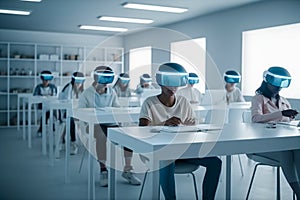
[[263, 90]]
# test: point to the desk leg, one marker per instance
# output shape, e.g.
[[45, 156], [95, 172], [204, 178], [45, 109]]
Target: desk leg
[[24, 121], [91, 174], [18, 114], [50, 128], [44, 136], [154, 177], [112, 172], [29, 124], [67, 156], [228, 177]]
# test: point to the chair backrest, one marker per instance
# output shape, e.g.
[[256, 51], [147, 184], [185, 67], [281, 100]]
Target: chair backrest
[[185, 168], [247, 117]]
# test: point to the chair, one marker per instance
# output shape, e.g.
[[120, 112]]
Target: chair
[[180, 168], [262, 161]]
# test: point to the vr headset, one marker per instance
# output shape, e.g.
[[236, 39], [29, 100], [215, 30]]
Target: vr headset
[[78, 80], [124, 80], [277, 80], [230, 78], [171, 79], [193, 80], [104, 77], [46, 77]]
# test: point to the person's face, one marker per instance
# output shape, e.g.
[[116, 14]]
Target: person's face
[[45, 83], [77, 85], [273, 89], [145, 84], [230, 86], [169, 91], [101, 88]]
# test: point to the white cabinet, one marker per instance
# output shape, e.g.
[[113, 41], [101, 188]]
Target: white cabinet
[[21, 64]]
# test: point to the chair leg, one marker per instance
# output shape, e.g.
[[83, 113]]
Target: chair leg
[[141, 192], [251, 182], [84, 152], [241, 167], [278, 184], [195, 185]]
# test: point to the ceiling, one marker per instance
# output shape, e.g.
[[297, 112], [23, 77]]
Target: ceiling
[[66, 15]]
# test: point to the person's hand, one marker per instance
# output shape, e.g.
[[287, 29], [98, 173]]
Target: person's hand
[[190, 121], [173, 121], [289, 113]]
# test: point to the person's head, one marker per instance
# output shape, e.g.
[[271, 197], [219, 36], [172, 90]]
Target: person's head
[[170, 76], [193, 79], [77, 79], [274, 79], [103, 75], [123, 80], [231, 78], [145, 80], [46, 76]]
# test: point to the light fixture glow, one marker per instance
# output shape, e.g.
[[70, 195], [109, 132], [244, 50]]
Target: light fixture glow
[[154, 8], [36, 1], [14, 12], [102, 28], [125, 19]]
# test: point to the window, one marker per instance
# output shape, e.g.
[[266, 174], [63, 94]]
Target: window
[[140, 60], [264, 48], [192, 55]]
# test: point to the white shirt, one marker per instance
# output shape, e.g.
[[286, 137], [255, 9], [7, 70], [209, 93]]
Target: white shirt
[[234, 96], [192, 94], [157, 113]]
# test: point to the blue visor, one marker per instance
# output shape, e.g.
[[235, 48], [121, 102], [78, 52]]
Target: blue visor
[[172, 79], [232, 78], [124, 80], [193, 80], [147, 80], [78, 80], [277, 80], [105, 77], [46, 77]]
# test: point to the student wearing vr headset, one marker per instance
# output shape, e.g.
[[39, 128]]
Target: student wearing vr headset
[[269, 106], [233, 93], [145, 83], [72, 90], [122, 85], [100, 95], [45, 89], [192, 94], [170, 110]]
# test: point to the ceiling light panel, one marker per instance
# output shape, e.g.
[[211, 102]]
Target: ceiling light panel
[[36, 1], [126, 20], [14, 12], [102, 28], [154, 8]]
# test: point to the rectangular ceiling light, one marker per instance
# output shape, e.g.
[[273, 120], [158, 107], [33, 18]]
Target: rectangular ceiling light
[[154, 8], [14, 12], [125, 19], [102, 28], [36, 1]]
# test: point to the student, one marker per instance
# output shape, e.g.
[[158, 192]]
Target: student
[[45, 89], [100, 95], [192, 94], [233, 93], [122, 86], [268, 105], [145, 83], [72, 90], [170, 110]]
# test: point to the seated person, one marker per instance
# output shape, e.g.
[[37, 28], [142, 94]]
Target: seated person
[[100, 95], [192, 94], [269, 106], [45, 89], [145, 83], [233, 93], [122, 86], [72, 90], [170, 110]]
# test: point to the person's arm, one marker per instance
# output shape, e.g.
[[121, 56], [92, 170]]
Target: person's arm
[[36, 91], [240, 97]]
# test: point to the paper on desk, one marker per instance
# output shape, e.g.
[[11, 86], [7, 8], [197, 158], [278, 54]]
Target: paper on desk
[[196, 128], [291, 123]]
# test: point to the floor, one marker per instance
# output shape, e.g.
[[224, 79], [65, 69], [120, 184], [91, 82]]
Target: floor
[[26, 174]]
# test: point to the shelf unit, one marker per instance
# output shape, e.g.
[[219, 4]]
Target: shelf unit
[[21, 64]]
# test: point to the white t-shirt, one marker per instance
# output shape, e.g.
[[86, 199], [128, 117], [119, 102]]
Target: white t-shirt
[[157, 113], [234, 96], [192, 94]]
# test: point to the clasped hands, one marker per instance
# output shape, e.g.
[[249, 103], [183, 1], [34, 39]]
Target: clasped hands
[[175, 121], [289, 113]]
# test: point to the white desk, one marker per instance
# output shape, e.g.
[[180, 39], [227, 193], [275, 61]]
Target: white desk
[[234, 138], [20, 98], [102, 116]]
